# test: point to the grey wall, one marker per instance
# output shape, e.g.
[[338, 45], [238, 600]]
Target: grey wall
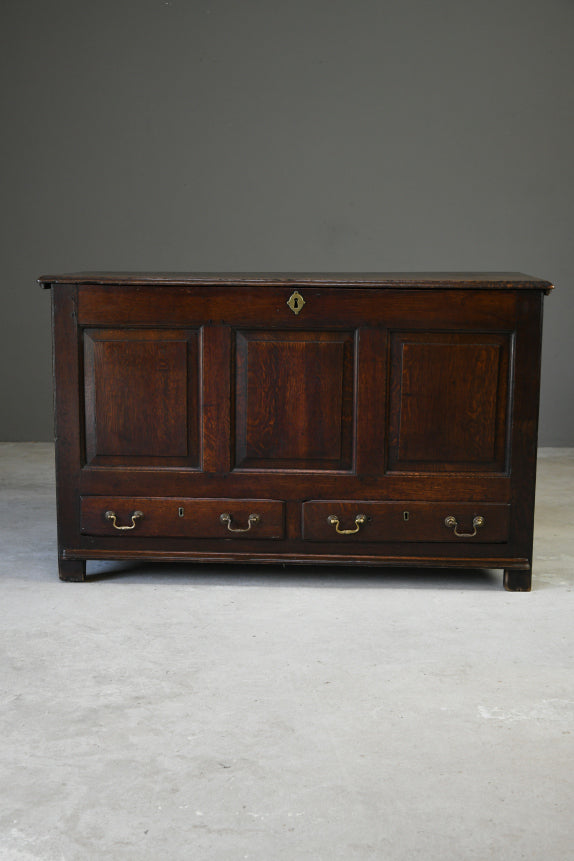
[[283, 134]]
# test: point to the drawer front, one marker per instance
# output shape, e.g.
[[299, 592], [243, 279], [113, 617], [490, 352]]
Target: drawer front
[[177, 517], [362, 522]]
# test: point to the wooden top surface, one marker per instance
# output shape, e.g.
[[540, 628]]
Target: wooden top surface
[[407, 280]]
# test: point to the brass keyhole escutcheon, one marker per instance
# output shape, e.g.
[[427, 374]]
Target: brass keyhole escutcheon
[[296, 302]]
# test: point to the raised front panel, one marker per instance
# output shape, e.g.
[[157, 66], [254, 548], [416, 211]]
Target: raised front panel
[[449, 402], [294, 400], [141, 397]]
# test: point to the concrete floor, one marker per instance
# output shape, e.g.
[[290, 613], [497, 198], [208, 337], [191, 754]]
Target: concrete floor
[[216, 714]]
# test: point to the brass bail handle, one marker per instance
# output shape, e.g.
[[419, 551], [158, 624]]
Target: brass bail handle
[[252, 520], [477, 522], [360, 520], [111, 515]]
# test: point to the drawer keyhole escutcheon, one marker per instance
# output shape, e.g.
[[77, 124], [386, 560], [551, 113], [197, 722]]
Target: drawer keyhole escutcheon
[[360, 520], [406, 515], [111, 515], [296, 302], [477, 522], [180, 512], [252, 520]]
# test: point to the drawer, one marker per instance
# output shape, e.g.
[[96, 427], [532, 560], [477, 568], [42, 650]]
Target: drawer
[[362, 521], [159, 517]]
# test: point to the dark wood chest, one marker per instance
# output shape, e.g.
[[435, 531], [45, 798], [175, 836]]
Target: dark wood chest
[[379, 419]]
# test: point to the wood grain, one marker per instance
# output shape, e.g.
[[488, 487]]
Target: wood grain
[[424, 280], [170, 517], [388, 393]]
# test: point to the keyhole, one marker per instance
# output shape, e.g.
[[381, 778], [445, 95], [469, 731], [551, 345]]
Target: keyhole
[[296, 302], [180, 512], [406, 515]]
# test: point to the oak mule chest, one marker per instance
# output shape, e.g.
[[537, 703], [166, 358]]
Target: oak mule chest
[[378, 419]]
